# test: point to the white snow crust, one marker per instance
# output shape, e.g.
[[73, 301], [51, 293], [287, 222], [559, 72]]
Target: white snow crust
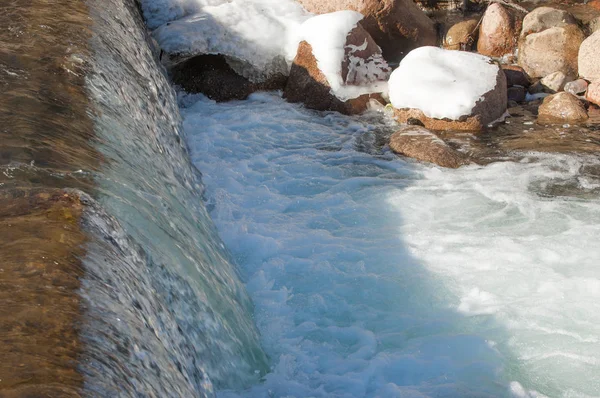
[[441, 83]]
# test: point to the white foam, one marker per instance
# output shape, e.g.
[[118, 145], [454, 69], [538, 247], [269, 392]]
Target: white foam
[[441, 83]]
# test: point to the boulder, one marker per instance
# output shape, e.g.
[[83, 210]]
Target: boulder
[[516, 76], [589, 58], [419, 143], [593, 93], [212, 76], [340, 76], [448, 90], [462, 36], [562, 107], [594, 25], [543, 18], [576, 87], [555, 82], [551, 50], [499, 31], [397, 26]]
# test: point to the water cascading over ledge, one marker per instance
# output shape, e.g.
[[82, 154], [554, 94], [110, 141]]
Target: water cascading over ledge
[[113, 280]]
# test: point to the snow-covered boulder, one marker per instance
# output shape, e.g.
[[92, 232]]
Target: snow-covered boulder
[[397, 26], [448, 89], [257, 37], [338, 66]]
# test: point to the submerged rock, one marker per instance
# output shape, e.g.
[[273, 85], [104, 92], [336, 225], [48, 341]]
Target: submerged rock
[[499, 31], [462, 36], [589, 58], [562, 107], [421, 144], [549, 42], [448, 89], [340, 73], [397, 26]]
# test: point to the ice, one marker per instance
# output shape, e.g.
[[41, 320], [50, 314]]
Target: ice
[[262, 33], [441, 83]]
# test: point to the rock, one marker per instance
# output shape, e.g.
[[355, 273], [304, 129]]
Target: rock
[[516, 76], [517, 94], [562, 107], [594, 25], [462, 36], [593, 93], [551, 50], [576, 87], [589, 58], [543, 18], [212, 76], [309, 84], [446, 90], [419, 143], [397, 26], [499, 31], [555, 82]]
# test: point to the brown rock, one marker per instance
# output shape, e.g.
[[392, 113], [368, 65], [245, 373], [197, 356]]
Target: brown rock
[[555, 82], [499, 31], [562, 107], [593, 93], [462, 36], [517, 94], [397, 26], [551, 50], [543, 18], [589, 58], [516, 76], [419, 143], [576, 87], [309, 85]]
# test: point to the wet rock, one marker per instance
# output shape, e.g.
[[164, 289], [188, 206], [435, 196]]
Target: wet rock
[[589, 58], [397, 26], [555, 82], [499, 31], [308, 84], [462, 36], [549, 42], [212, 76], [543, 18], [517, 94], [516, 76], [593, 93], [421, 144], [562, 107], [576, 87]]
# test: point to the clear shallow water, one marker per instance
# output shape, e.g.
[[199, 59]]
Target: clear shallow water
[[373, 276]]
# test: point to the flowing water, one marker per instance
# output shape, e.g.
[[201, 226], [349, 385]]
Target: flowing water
[[307, 260]]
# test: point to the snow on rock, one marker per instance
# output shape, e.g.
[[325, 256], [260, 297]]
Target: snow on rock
[[259, 37], [338, 66], [444, 84]]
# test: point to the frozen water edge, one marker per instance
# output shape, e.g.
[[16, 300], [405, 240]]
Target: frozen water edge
[[372, 276]]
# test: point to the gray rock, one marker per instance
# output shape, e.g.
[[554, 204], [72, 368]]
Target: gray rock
[[555, 82], [576, 87]]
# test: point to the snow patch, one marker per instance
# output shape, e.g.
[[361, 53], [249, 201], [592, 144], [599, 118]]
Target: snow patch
[[441, 83]]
